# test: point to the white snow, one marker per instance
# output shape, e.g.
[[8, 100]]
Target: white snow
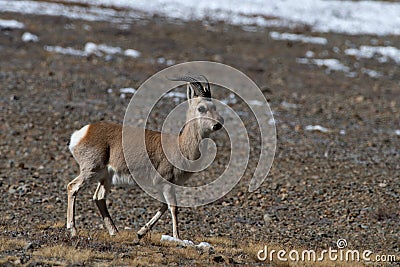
[[384, 52], [29, 37], [371, 73], [128, 90], [132, 53], [230, 100], [91, 48], [397, 132], [350, 17], [298, 37], [175, 94], [330, 64], [310, 54], [317, 128], [65, 50], [168, 62], [173, 239], [91, 13], [272, 121], [288, 105], [184, 242], [203, 245], [255, 103], [13, 24]]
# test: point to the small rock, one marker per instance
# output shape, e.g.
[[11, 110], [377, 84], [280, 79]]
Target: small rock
[[11, 164], [267, 219], [31, 246], [12, 190], [359, 99], [219, 259]]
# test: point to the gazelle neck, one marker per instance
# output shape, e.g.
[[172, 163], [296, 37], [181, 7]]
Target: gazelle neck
[[190, 139]]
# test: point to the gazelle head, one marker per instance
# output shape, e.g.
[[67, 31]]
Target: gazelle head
[[201, 109]]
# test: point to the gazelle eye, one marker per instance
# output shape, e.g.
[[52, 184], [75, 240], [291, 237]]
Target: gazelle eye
[[202, 109]]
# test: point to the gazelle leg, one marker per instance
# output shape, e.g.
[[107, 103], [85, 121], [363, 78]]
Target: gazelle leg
[[153, 221], [73, 188], [170, 198], [174, 210], [100, 199]]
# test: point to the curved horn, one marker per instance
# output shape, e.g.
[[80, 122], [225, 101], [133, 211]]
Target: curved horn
[[207, 82], [197, 86]]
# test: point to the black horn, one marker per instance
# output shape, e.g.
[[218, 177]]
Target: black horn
[[199, 89]]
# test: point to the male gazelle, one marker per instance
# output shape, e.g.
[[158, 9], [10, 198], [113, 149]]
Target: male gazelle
[[98, 150]]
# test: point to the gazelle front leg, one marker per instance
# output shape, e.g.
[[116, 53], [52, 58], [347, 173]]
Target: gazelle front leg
[[174, 210], [170, 198], [153, 221]]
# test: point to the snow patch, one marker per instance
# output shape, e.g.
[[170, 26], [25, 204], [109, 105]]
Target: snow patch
[[350, 17], [397, 132], [168, 62], [385, 52], [255, 103], [167, 238], [310, 54], [175, 94], [371, 73], [317, 128], [288, 105], [298, 37], [65, 50], [132, 53], [91, 48], [230, 100], [90, 13], [127, 90], [13, 24], [29, 37], [330, 64]]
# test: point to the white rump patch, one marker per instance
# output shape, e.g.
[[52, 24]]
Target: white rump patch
[[77, 136]]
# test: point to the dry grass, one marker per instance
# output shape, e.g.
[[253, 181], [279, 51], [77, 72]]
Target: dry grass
[[150, 251], [56, 225], [7, 244], [64, 253]]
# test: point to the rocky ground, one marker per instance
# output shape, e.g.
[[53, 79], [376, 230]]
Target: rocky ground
[[322, 186]]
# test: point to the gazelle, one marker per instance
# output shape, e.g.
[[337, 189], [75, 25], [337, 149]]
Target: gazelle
[[98, 150]]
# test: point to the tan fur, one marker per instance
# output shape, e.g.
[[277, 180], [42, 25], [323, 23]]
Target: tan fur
[[100, 156]]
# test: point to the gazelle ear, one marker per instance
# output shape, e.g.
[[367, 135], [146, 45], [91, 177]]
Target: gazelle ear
[[189, 91]]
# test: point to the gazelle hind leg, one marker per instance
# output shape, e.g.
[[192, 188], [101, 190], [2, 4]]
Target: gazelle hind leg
[[73, 188], [100, 199]]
